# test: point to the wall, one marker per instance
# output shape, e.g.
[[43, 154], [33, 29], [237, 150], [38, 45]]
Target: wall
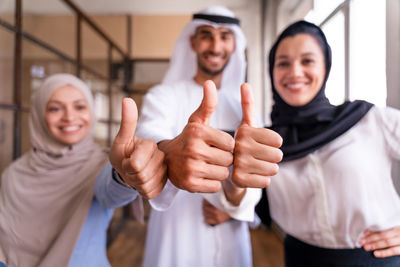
[[393, 66]]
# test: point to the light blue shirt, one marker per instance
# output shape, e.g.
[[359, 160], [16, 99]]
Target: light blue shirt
[[90, 249]]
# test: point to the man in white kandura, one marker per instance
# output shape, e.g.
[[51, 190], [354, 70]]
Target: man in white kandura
[[183, 117]]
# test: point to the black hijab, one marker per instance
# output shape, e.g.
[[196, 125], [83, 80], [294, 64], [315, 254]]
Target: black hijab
[[306, 128]]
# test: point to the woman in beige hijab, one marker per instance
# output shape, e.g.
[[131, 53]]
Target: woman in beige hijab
[[56, 201]]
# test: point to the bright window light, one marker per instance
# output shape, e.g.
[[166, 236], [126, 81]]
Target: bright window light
[[334, 31], [368, 51], [321, 10], [367, 55]]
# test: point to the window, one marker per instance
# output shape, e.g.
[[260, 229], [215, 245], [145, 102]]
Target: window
[[355, 29]]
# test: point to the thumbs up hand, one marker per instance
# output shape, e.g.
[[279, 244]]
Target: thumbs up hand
[[256, 152], [138, 161], [198, 158]]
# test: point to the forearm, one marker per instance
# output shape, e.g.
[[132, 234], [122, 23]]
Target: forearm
[[110, 193]]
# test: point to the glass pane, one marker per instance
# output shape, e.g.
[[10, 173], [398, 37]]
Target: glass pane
[[59, 31], [368, 55], [322, 9], [115, 27], [7, 10], [39, 63], [151, 72], [94, 82], [101, 133], [6, 138], [6, 66], [101, 106], [334, 31], [117, 96], [94, 51]]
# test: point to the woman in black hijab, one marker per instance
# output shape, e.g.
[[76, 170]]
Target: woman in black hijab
[[334, 194]]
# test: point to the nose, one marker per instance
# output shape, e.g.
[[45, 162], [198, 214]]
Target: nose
[[216, 45], [69, 114], [296, 69]]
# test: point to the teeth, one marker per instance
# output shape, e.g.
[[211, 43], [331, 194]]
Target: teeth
[[214, 59], [295, 86], [70, 128]]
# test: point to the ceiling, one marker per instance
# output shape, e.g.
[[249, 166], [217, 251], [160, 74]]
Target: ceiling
[[120, 6]]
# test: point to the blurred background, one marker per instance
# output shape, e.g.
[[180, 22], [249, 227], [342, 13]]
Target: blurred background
[[122, 48]]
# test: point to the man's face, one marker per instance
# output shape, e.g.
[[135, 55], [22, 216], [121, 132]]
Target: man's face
[[213, 48]]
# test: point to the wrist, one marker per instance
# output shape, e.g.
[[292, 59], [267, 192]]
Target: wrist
[[233, 193], [119, 179]]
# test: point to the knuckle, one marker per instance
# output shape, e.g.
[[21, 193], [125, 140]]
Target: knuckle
[[274, 169], [144, 176], [238, 179], [239, 162], [225, 173], [137, 164], [240, 146], [195, 130], [189, 185]]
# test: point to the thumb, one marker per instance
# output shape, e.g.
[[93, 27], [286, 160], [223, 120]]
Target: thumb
[[248, 117], [205, 110], [128, 121]]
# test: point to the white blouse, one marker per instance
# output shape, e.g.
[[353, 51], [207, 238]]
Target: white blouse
[[329, 197]]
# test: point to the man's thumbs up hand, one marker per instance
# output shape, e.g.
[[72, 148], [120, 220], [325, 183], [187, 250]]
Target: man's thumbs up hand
[[138, 161], [198, 158], [256, 152], [208, 104]]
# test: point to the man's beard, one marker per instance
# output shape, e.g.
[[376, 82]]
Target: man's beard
[[211, 72]]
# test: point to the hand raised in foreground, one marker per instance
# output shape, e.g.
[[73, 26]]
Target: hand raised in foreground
[[138, 161], [256, 152], [199, 157]]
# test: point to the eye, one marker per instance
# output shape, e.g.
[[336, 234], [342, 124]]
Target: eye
[[80, 107], [282, 64], [53, 109], [226, 36], [205, 36], [307, 61]]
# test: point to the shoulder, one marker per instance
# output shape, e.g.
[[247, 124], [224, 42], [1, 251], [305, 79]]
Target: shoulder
[[385, 114], [171, 87]]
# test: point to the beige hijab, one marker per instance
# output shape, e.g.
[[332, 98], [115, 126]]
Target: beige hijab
[[45, 195]]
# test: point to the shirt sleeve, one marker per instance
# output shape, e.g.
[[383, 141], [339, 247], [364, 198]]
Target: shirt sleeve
[[157, 122], [164, 200], [391, 129], [244, 212], [109, 192], [157, 116]]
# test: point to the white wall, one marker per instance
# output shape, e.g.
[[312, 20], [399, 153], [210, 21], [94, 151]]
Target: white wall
[[393, 66]]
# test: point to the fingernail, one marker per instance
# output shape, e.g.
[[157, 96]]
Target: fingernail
[[368, 247]]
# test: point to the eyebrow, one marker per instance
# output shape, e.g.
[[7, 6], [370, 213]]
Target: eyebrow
[[304, 54], [60, 102], [207, 31]]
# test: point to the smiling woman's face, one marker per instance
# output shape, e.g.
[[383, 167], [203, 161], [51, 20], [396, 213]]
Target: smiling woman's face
[[299, 69], [68, 116]]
